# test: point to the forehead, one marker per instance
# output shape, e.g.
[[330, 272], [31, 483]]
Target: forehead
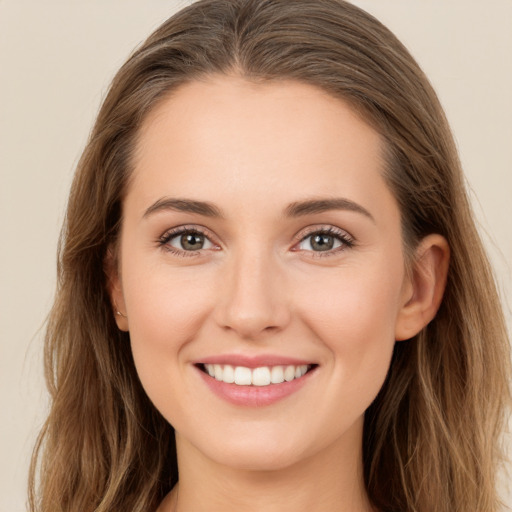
[[225, 136]]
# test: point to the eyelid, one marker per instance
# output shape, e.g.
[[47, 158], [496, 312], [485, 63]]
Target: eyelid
[[171, 232]]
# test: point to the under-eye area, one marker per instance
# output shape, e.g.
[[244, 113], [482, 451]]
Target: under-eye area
[[260, 376]]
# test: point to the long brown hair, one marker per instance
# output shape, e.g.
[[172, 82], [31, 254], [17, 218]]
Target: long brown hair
[[431, 437]]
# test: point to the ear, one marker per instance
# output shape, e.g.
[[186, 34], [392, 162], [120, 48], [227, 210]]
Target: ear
[[115, 289], [424, 288]]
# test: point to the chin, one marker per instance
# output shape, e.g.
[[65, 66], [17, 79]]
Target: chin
[[257, 452], [256, 459]]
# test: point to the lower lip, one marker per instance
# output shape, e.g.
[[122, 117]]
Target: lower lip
[[254, 396]]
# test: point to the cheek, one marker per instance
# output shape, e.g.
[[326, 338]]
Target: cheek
[[166, 310], [354, 313], [166, 307], [355, 322]]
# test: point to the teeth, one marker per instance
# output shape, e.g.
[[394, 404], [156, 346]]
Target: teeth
[[289, 373], [261, 376], [217, 368], [243, 376], [277, 375], [229, 374]]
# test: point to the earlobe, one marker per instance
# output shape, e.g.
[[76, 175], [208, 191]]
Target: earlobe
[[115, 289], [425, 287]]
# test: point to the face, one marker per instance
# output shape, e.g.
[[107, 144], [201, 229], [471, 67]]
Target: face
[[260, 241]]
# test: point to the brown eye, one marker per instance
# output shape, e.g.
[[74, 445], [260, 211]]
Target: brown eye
[[189, 241], [192, 242]]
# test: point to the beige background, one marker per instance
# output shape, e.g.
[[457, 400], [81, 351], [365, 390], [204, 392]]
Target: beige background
[[56, 60]]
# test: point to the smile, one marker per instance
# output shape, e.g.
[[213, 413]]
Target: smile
[[260, 376], [255, 385]]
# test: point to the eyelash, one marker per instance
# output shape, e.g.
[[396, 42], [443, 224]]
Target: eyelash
[[346, 240], [164, 240]]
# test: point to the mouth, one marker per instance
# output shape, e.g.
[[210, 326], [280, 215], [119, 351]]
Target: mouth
[[261, 376]]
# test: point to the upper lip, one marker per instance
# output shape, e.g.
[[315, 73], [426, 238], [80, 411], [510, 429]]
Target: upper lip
[[253, 361]]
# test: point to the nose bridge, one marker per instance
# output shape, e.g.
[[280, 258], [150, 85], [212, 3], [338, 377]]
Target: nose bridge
[[253, 297]]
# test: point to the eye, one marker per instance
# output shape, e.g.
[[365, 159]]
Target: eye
[[185, 240], [329, 240]]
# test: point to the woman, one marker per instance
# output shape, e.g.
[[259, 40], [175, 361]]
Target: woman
[[270, 278]]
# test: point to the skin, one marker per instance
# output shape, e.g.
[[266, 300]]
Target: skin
[[258, 286]]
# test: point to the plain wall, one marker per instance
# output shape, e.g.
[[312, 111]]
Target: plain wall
[[56, 61]]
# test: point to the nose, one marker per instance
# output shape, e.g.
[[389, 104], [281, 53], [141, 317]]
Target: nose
[[253, 301]]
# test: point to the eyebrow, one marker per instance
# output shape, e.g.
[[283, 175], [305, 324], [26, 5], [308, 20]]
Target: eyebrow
[[295, 209], [302, 208], [184, 205]]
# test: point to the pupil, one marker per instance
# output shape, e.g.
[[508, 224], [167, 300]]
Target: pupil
[[322, 242], [192, 241]]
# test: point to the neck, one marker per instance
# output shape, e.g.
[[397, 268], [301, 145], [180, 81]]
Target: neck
[[331, 480]]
